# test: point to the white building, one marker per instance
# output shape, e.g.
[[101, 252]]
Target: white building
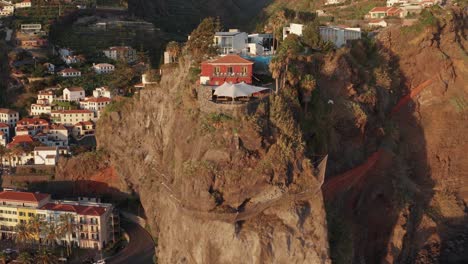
[[81, 129], [6, 8], [121, 53], [38, 109], [69, 72], [293, 28], [102, 92], [31, 27], [103, 68], [259, 44], [73, 94], [9, 116], [377, 23], [95, 104], [71, 117], [45, 97], [232, 41], [396, 2], [23, 4], [334, 2], [46, 156], [4, 134], [339, 35]]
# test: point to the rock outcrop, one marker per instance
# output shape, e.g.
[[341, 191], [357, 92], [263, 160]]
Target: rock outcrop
[[218, 188]]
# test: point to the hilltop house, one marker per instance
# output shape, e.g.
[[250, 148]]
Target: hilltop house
[[229, 68], [103, 68], [69, 72], [339, 36], [8, 116], [293, 28], [232, 41], [73, 94], [121, 53]]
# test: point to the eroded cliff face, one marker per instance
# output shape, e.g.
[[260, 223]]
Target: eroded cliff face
[[218, 188]]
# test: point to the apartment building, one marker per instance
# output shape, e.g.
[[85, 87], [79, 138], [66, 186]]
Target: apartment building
[[95, 104], [71, 117], [8, 116], [93, 221]]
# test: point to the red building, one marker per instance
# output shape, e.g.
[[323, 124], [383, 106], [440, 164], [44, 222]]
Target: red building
[[229, 68]]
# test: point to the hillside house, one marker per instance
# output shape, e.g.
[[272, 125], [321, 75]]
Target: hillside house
[[259, 44], [69, 73], [73, 94], [293, 28], [46, 156], [375, 23], [31, 126], [391, 3], [102, 92], [5, 132], [6, 8], [39, 109], [95, 104], [333, 2], [3, 139], [81, 129], [71, 117], [229, 68], [50, 67], [23, 4], [121, 53], [103, 68], [383, 12], [45, 97], [9, 117], [339, 36], [34, 43], [231, 42]]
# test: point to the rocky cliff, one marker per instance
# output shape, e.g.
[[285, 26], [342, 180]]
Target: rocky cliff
[[230, 187]]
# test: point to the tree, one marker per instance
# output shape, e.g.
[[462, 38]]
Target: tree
[[25, 258], [308, 85], [23, 235], [174, 50], [201, 43], [311, 35], [36, 227], [66, 229], [50, 234], [46, 257]]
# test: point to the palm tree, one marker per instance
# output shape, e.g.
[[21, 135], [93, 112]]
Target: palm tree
[[308, 85], [23, 235], [36, 226], [25, 258], [276, 67], [45, 257], [66, 228], [50, 234]]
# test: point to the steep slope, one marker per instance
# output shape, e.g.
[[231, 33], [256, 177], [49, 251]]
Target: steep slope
[[218, 188]]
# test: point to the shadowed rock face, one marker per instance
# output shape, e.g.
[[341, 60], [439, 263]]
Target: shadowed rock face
[[230, 188]]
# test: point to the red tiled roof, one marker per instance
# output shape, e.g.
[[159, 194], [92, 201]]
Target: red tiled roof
[[23, 196], [57, 127], [76, 89], [85, 123], [31, 121], [229, 59], [69, 70], [79, 209], [98, 99], [3, 125], [7, 111], [20, 140]]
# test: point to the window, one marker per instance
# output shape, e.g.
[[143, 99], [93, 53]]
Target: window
[[217, 70], [244, 70], [230, 70]]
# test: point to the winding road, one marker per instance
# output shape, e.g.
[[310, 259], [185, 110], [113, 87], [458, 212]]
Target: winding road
[[140, 249]]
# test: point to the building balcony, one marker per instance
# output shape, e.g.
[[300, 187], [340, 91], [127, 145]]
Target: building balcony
[[230, 74]]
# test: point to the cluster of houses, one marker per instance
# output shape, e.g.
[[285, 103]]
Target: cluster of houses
[[95, 224], [120, 53], [51, 126], [397, 9], [7, 8]]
